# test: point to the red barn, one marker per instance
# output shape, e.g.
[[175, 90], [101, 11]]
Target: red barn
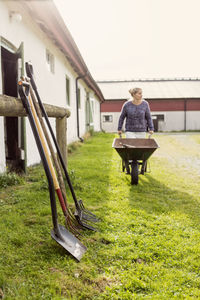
[[174, 103]]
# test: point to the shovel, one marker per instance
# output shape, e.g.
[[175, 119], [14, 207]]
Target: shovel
[[57, 166], [59, 233], [63, 203], [45, 138], [82, 215]]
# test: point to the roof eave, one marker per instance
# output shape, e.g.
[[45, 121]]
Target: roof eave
[[52, 24]]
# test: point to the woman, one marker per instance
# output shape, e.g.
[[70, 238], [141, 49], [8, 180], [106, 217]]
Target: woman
[[138, 120], [138, 116]]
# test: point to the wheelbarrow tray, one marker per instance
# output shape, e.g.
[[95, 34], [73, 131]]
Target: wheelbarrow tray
[[140, 149]]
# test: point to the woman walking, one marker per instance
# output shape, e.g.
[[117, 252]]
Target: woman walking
[[138, 118]]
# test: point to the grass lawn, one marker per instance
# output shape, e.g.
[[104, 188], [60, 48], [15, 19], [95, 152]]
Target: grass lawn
[[148, 246]]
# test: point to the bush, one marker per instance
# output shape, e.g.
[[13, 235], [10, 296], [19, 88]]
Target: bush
[[73, 147], [8, 179], [91, 131]]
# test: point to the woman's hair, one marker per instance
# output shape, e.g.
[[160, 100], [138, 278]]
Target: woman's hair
[[134, 91]]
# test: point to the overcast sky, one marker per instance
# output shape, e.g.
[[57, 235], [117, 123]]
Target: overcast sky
[[126, 39]]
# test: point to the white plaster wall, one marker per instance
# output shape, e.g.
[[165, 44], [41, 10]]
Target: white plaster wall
[[2, 147], [51, 86], [82, 116], [174, 120], [32, 151], [97, 125], [110, 126], [193, 120], [2, 144]]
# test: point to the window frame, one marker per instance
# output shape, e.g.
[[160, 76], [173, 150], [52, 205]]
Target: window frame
[[67, 89], [104, 119]]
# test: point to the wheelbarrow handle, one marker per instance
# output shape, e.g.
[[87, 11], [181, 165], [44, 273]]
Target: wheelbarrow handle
[[150, 135]]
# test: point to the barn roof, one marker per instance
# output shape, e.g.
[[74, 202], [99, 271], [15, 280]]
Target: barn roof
[[152, 88], [47, 16]]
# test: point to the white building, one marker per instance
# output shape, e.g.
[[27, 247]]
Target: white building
[[174, 103], [34, 31]]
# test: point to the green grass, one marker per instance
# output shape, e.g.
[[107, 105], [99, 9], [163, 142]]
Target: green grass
[[149, 239], [9, 179]]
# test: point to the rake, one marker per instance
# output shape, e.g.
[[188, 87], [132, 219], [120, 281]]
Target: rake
[[57, 166], [81, 213], [60, 234]]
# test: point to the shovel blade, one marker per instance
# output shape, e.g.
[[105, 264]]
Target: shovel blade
[[69, 242]]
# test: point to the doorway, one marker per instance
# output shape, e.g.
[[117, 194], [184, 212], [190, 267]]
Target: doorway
[[13, 126], [155, 123]]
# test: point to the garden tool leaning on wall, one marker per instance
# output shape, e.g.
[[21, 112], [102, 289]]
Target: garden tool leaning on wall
[[59, 233], [82, 215], [56, 164]]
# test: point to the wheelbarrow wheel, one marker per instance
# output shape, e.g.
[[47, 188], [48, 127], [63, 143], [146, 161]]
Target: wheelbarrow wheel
[[134, 173]]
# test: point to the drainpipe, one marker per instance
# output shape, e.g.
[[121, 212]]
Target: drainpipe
[[77, 109], [185, 114]]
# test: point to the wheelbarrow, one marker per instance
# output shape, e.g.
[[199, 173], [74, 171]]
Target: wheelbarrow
[[135, 153]]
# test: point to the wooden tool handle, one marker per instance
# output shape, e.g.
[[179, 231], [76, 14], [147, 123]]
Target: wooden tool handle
[[40, 132]]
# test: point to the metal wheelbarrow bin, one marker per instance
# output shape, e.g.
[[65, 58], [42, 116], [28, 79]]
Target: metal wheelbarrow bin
[[135, 153]]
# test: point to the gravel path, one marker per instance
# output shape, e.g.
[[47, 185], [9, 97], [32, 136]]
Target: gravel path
[[183, 150]]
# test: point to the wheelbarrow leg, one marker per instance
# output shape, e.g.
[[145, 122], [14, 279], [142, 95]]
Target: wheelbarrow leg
[[127, 167], [144, 167]]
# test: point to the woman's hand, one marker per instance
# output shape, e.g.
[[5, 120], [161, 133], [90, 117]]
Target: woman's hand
[[120, 132], [151, 132]]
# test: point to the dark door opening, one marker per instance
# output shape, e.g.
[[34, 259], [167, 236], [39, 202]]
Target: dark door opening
[[9, 62], [156, 121], [155, 124]]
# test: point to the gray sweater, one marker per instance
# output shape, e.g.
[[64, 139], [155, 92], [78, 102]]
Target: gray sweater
[[138, 117]]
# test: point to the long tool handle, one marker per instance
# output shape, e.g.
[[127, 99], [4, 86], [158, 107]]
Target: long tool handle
[[54, 158], [24, 97], [42, 138], [29, 71]]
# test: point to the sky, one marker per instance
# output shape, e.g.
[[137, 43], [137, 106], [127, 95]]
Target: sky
[[128, 39]]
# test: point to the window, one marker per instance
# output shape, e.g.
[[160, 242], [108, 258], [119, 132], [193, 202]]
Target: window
[[50, 61], [158, 117], [107, 118], [92, 105], [68, 90], [79, 98]]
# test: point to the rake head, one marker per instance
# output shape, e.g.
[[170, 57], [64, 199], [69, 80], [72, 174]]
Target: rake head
[[82, 222], [86, 214]]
